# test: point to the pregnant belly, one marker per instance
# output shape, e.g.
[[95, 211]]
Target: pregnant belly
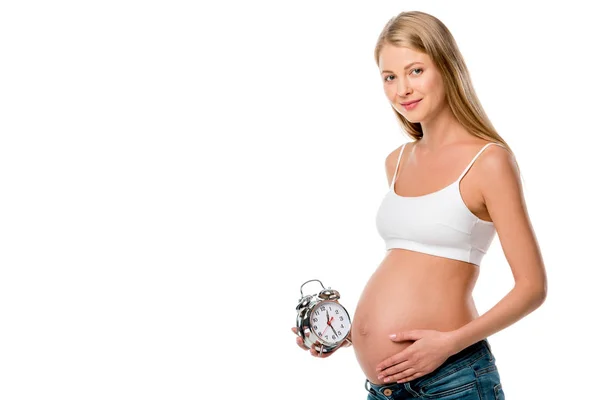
[[410, 291]]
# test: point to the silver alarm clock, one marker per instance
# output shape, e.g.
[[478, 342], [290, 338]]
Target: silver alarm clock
[[324, 317]]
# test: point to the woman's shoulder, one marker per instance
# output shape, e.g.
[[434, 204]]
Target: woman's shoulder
[[392, 159], [393, 156], [496, 163], [495, 153]]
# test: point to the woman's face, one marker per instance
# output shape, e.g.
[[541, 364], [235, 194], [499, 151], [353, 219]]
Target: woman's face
[[409, 75]]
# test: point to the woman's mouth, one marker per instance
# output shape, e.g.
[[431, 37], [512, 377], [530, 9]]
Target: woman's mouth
[[411, 106]]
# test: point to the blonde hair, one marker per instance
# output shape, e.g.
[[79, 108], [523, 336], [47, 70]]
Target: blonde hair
[[427, 34]]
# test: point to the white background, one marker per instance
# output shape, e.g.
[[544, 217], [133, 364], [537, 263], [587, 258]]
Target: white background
[[171, 173]]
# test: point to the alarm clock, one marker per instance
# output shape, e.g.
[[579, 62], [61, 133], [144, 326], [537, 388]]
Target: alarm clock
[[324, 318]]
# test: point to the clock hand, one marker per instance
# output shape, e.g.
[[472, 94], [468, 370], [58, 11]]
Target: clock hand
[[326, 312], [332, 327], [329, 324]]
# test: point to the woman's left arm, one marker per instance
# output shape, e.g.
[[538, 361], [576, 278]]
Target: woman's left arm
[[503, 196]]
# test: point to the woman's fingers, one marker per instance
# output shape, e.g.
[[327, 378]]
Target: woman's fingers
[[300, 343], [313, 351], [299, 340]]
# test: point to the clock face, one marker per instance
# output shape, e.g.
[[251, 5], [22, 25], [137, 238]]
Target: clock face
[[330, 322]]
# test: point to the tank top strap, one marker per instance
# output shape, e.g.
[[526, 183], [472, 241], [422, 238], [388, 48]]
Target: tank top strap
[[397, 163], [475, 158]]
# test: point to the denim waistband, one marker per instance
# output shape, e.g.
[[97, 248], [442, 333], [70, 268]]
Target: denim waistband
[[462, 357]]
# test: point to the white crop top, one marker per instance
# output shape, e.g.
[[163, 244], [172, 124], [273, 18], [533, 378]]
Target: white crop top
[[437, 223]]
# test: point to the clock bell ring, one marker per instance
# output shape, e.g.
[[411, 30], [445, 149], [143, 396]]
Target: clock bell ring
[[322, 323]]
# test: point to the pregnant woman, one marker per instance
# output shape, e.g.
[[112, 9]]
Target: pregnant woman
[[416, 332]]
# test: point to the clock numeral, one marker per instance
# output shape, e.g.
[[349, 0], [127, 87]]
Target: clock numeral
[[337, 311], [341, 318], [333, 337], [322, 308], [342, 326], [317, 313], [320, 333], [326, 336], [339, 333], [315, 319]]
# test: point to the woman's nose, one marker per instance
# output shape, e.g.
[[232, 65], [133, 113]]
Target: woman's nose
[[402, 88]]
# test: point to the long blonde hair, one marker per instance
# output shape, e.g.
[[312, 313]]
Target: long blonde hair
[[427, 34]]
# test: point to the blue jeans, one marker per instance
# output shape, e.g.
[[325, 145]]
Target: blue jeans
[[470, 374]]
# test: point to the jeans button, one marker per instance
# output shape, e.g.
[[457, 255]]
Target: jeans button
[[387, 392]]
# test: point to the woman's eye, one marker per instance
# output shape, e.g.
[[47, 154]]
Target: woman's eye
[[416, 69]]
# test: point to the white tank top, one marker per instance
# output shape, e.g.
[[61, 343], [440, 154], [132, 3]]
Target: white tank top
[[437, 223]]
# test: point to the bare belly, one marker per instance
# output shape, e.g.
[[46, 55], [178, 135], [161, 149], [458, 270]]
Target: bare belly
[[410, 290]]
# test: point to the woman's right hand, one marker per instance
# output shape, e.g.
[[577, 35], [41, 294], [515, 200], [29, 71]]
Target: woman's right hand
[[312, 349]]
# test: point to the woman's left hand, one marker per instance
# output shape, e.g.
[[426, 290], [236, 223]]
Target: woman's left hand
[[430, 349]]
